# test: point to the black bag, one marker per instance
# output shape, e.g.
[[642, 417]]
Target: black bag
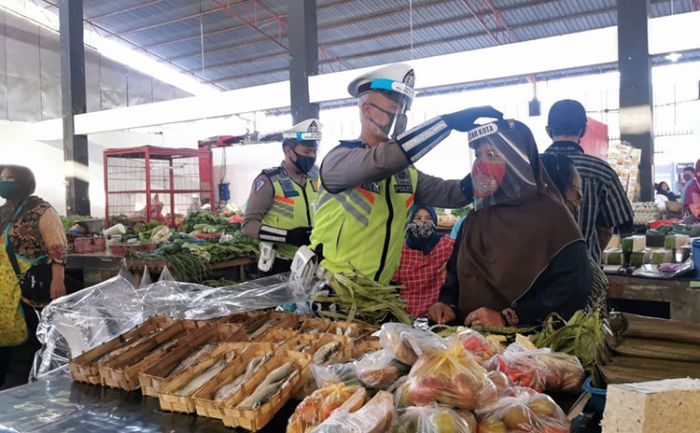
[[35, 283]]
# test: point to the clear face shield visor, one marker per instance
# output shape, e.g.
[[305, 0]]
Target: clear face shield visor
[[501, 170], [392, 122]]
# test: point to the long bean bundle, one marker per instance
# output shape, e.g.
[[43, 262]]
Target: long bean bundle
[[357, 298]]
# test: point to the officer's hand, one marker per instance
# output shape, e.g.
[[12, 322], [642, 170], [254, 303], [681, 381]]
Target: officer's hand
[[464, 120], [298, 236], [441, 313]]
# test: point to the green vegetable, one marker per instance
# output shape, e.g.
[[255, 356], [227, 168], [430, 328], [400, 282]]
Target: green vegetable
[[360, 299], [181, 262], [581, 336], [202, 217]]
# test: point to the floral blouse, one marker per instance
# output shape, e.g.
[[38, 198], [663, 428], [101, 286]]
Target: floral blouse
[[39, 232]]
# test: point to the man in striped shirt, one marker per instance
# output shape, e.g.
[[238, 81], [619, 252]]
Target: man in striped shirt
[[604, 204]]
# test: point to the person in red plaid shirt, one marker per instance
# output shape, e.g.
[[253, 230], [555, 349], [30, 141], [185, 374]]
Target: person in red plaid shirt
[[422, 270]]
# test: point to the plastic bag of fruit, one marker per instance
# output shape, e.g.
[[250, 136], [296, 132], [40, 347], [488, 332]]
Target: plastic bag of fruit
[[521, 366], [333, 374], [317, 407], [376, 416], [524, 411], [407, 343], [563, 372], [380, 369], [479, 346], [447, 376], [432, 419]]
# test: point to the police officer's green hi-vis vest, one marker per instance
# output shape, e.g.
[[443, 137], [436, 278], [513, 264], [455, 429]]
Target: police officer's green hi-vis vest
[[292, 206], [362, 229]]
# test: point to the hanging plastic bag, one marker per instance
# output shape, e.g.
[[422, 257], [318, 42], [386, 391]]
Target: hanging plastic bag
[[377, 416], [165, 275], [408, 343], [431, 420], [334, 374], [449, 377], [317, 407], [524, 411], [380, 370], [145, 278]]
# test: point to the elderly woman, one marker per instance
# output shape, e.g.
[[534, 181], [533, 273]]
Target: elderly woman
[[423, 260], [32, 233], [520, 255]]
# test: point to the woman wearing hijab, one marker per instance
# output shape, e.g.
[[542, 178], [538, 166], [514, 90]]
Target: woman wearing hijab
[[423, 260], [520, 255], [32, 231], [562, 171]]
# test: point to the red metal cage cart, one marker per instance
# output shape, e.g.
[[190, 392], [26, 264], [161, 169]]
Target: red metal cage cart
[[148, 182]]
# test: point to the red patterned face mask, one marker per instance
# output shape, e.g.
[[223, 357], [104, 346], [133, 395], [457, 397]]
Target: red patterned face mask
[[487, 177]]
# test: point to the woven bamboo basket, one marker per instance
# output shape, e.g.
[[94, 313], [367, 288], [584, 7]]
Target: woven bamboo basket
[[123, 371], [256, 419], [308, 384], [84, 368], [280, 335], [365, 345], [315, 325], [349, 329], [173, 402], [152, 377], [205, 404]]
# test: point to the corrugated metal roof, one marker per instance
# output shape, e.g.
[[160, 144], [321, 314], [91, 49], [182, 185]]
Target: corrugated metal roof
[[244, 41]]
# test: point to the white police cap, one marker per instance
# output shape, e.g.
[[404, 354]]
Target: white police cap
[[398, 78], [306, 130]]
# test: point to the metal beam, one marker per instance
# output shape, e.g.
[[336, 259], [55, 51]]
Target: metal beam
[[73, 102], [636, 105], [121, 11], [137, 47], [303, 57], [331, 25], [399, 48]]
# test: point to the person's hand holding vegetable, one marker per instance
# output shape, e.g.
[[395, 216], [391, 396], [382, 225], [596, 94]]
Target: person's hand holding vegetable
[[441, 313], [485, 317]]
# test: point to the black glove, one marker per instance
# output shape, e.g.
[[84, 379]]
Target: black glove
[[467, 187], [298, 236], [464, 120]]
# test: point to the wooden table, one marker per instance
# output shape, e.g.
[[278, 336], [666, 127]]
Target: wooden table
[[683, 300], [108, 265]]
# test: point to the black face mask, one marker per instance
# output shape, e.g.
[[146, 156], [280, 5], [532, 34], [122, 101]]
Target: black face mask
[[304, 163], [386, 129]]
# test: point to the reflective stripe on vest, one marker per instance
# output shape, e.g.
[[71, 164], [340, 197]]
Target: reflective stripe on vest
[[290, 212], [362, 229]]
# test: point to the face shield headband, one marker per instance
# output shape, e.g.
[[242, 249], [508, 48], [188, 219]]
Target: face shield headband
[[501, 172]]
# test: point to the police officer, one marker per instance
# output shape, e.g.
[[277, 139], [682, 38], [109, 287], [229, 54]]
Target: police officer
[[280, 203], [369, 185]]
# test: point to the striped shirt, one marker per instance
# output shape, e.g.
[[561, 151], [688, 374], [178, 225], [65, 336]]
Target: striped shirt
[[604, 202]]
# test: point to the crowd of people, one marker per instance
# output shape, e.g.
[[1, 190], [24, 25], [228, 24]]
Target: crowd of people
[[530, 246]]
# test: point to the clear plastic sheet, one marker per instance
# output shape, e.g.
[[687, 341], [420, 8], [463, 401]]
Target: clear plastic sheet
[[83, 320]]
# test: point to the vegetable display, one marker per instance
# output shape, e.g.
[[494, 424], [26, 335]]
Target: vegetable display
[[360, 299], [317, 407]]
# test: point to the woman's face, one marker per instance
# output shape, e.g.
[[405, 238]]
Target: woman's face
[[664, 187], [6, 174], [488, 170], [422, 215], [574, 193]]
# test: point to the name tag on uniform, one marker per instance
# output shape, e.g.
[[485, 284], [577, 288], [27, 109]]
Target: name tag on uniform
[[403, 183], [288, 188], [371, 187]]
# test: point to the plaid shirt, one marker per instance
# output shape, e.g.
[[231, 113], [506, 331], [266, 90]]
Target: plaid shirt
[[423, 275], [604, 202]]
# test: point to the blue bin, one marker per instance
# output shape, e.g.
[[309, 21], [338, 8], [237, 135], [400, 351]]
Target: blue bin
[[598, 396], [696, 255]]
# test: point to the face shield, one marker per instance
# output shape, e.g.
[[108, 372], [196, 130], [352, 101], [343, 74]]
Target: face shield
[[501, 172], [390, 112]]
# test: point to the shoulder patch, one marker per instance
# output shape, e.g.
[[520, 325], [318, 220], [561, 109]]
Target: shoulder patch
[[274, 171], [259, 184]]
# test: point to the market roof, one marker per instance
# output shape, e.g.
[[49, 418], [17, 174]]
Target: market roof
[[240, 43]]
